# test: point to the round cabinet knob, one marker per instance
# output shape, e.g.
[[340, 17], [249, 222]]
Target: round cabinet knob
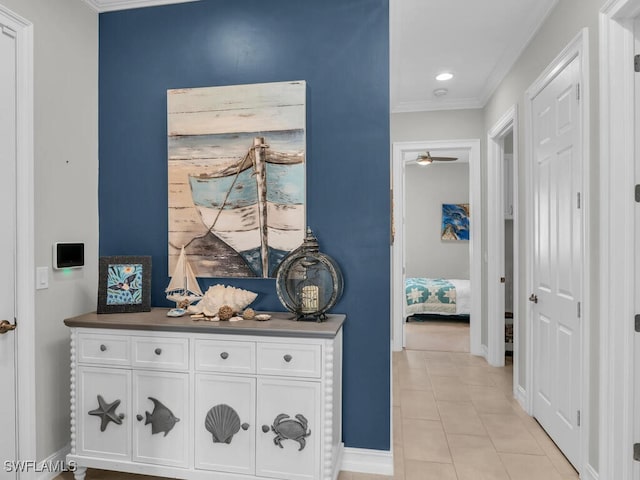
[[158, 351], [139, 417], [103, 348], [121, 416], [224, 355], [288, 358], [265, 428], [245, 426]]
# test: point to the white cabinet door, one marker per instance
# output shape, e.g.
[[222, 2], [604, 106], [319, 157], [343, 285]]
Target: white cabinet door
[[161, 426], [224, 423], [288, 442], [103, 413]]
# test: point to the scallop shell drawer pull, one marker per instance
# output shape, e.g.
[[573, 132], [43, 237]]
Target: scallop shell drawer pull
[[224, 355], [288, 358], [103, 348], [158, 351]]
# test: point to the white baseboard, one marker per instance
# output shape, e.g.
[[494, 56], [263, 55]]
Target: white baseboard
[[589, 473], [363, 460], [48, 468], [521, 396]]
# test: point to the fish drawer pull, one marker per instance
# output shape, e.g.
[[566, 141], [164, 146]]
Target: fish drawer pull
[[103, 348], [288, 358], [158, 351], [107, 413], [161, 419], [287, 428], [224, 355]]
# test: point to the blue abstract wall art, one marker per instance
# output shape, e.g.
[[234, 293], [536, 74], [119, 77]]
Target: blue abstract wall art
[[455, 221]]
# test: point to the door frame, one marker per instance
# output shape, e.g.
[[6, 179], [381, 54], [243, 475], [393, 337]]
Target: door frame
[[617, 210], [577, 48], [403, 153], [508, 123], [25, 256]]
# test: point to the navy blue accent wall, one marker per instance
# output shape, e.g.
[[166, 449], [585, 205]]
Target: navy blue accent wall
[[341, 49]]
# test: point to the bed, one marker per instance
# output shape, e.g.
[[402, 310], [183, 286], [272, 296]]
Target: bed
[[437, 296]]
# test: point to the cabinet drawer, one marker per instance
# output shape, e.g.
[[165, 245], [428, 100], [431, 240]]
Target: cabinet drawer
[[103, 349], [225, 356], [289, 359], [161, 353]]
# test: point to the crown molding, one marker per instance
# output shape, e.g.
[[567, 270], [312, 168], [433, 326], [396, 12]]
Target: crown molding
[[112, 5]]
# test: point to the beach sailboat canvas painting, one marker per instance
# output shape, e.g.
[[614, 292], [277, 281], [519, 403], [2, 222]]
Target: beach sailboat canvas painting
[[237, 186]]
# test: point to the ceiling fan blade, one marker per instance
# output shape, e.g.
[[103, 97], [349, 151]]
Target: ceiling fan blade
[[426, 159]]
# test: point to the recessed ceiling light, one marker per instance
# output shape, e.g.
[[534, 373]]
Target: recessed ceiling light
[[440, 92], [444, 76]]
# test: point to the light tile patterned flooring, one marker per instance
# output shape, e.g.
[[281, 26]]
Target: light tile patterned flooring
[[454, 418]]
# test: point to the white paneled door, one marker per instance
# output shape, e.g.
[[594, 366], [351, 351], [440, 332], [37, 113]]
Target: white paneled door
[[557, 259], [7, 248]]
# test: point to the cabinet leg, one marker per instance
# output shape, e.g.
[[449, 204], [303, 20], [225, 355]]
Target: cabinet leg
[[80, 473]]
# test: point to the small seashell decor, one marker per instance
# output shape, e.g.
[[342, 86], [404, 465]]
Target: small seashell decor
[[218, 296], [249, 314], [225, 312]]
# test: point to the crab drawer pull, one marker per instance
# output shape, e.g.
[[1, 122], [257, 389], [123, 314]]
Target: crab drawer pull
[[287, 428]]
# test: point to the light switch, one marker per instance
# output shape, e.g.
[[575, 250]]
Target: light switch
[[42, 278]]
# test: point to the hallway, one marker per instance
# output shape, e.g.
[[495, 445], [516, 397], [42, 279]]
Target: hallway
[[455, 419]]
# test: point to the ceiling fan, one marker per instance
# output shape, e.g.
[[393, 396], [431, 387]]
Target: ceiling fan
[[427, 159]]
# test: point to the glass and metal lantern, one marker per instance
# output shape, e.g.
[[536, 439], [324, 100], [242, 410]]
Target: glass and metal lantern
[[309, 282]]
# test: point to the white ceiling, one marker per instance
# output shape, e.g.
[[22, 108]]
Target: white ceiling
[[476, 40]]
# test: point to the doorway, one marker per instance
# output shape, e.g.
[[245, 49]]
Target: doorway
[[502, 246], [17, 360], [437, 262], [405, 153]]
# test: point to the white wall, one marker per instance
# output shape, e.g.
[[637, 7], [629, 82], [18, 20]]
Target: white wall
[[426, 189], [563, 24], [66, 186], [438, 125]]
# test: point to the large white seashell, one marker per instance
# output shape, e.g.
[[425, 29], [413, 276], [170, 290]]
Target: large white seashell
[[219, 295], [223, 422]]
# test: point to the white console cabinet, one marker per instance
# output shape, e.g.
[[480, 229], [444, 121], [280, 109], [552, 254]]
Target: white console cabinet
[[203, 400]]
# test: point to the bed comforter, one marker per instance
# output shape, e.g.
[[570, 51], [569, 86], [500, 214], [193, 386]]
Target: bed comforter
[[437, 295]]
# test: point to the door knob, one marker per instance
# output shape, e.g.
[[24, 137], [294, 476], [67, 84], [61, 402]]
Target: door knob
[[5, 327], [533, 298]]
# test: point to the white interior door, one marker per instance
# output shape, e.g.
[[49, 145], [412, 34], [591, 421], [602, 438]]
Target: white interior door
[[8, 244], [557, 259]]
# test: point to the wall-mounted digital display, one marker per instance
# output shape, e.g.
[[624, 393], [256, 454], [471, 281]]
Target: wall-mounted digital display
[[68, 255]]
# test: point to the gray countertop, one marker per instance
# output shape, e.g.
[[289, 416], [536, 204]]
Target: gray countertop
[[282, 324]]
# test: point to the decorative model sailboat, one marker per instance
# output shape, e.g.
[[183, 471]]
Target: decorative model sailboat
[[183, 287]]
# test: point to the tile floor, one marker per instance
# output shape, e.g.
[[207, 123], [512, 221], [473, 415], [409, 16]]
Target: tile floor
[[454, 418]]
